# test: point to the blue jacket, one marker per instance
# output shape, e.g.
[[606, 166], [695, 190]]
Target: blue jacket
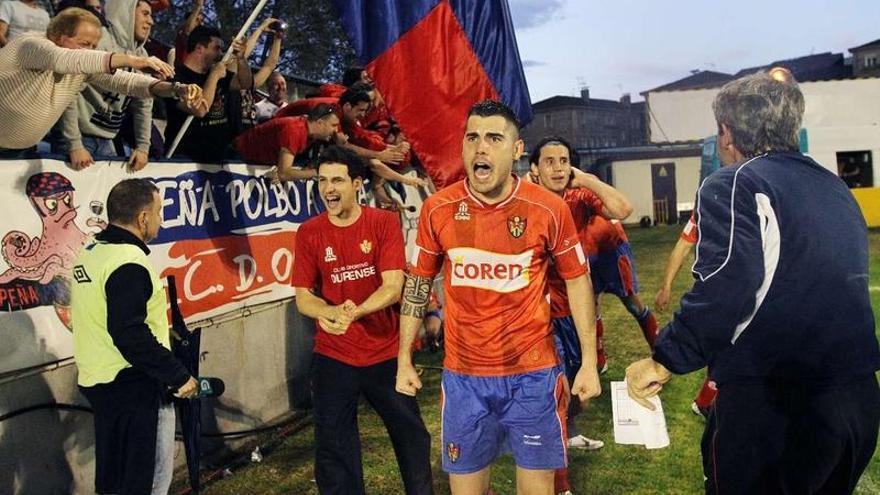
[[781, 273]]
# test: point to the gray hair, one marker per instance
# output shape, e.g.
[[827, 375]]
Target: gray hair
[[762, 113]]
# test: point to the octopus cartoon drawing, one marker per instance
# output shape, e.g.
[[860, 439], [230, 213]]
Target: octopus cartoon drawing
[[48, 258]]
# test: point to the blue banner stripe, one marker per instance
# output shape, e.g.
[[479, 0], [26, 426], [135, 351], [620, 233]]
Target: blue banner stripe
[[489, 27], [374, 25]]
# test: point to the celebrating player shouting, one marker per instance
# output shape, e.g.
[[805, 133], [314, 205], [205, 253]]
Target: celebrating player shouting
[[503, 387], [349, 270]]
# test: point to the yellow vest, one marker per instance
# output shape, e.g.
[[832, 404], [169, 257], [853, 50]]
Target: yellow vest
[[97, 359]]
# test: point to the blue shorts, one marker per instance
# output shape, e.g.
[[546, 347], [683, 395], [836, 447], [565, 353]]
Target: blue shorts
[[614, 272], [484, 417], [568, 345]]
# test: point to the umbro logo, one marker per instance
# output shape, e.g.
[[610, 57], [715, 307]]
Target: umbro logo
[[462, 214], [80, 275]]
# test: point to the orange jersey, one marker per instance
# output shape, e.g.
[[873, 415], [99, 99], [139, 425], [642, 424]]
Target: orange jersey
[[584, 205], [495, 261], [604, 235]]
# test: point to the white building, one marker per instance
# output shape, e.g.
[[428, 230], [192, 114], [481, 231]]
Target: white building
[[842, 125]]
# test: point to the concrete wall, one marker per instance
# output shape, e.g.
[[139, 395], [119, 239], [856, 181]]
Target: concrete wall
[[633, 178], [840, 116], [263, 358]]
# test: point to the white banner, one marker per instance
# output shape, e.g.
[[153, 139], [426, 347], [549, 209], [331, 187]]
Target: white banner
[[227, 237]]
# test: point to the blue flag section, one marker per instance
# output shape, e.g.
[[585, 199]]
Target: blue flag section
[[432, 60]]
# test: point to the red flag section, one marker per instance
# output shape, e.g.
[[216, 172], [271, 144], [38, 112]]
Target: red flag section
[[414, 78]]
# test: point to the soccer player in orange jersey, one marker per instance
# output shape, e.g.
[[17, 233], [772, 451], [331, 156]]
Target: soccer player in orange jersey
[[550, 166], [494, 236]]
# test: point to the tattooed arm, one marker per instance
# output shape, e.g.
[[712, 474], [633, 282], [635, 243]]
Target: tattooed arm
[[412, 310]]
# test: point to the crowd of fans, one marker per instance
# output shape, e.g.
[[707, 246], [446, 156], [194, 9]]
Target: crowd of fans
[[82, 85]]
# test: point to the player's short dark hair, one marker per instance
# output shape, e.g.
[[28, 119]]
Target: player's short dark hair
[[128, 198], [535, 155], [320, 111], [490, 108], [352, 75], [353, 96], [342, 156], [201, 35]]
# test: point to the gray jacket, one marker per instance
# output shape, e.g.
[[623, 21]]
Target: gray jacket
[[99, 113]]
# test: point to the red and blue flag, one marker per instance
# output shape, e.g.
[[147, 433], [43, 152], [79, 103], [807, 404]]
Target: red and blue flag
[[432, 60]]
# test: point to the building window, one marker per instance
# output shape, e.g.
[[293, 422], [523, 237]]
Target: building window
[[870, 61], [855, 168], [548, 120]]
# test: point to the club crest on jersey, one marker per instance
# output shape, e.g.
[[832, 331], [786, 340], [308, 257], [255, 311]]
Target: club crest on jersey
[[462, 214], [453, 451], [366, 246], [516, 226], [328, 255]]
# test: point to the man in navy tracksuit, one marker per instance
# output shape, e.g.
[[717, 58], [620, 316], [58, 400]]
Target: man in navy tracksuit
[[780, 310]]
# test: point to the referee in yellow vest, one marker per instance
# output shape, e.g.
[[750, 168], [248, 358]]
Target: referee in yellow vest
[[121, 345]]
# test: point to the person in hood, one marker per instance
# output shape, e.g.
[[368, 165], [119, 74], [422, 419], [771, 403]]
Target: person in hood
[[93, 120]]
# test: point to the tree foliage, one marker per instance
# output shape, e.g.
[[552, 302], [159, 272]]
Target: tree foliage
[[315, 46]]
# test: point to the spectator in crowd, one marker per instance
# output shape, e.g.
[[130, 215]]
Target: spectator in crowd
[[93, 6], [351, 76], [370, 145], [21, 16], [93, 120], [782, 318], [193, 19], [121, 344], [41, 74], [277, 99], [278, 141], [349, 274], [209, 136], [242, 107]]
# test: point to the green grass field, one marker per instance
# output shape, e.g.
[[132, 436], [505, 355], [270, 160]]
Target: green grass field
[[611, 470]]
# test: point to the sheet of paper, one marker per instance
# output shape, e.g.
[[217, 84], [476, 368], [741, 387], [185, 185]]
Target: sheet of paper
[[634, 424]]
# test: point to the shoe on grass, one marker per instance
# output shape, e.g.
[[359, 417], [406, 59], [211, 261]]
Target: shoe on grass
[[581, 442], [703, 412]]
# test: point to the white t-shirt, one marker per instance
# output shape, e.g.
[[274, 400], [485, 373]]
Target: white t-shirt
[[22, 18], [266, 109]]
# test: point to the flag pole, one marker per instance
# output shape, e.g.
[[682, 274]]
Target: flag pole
[[247, 24]]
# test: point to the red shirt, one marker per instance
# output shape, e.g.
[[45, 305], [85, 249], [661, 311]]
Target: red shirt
[[690, 233], [331, 90], [364, 138], [495, 260], [375, 115], [584, 205], [342, 263], [304, 106], [604, 236], [261, 144], [180, 41]]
